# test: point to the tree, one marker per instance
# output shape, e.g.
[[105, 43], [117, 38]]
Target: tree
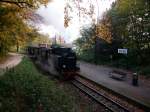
[[40, 38], [139, 37], [25, 3], [104, 28], [13, 25], [85, 44], [130, 27], [86, 41], [76, 7], [124, 25]]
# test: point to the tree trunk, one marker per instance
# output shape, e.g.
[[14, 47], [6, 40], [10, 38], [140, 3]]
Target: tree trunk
[[17, 46]]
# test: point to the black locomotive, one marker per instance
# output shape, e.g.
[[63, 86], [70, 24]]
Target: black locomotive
[[56, 60]]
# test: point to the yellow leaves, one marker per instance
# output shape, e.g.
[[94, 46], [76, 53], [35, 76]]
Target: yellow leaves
[[41, 39], [46, 1], [28, 4], [13, 29], [66, 16], [86, 46], [66, 21], [103, 29], [103, 32], [78, 8]]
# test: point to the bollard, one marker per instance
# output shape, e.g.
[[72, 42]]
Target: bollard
[[7, 68], [135, 79], [13, 69]]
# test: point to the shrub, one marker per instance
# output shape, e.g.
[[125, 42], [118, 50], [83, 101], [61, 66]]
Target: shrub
[[24, 89], [145, 71]]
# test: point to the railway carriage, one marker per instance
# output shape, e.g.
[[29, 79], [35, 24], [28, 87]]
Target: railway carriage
[[33, 51]]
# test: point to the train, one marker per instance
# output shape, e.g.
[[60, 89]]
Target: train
[[57, 60]]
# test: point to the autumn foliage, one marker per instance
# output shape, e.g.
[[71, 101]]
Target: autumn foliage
[[14, 27]]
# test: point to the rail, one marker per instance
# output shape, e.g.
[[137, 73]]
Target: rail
[[99, 97]]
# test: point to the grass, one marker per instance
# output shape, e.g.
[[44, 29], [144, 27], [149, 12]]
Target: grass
[[145, 71], [24, 89]]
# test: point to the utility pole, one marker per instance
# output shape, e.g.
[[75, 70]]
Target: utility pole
[[96, 35], [95, 47]]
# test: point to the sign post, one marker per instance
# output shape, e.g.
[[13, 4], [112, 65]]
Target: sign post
[[124, 51]]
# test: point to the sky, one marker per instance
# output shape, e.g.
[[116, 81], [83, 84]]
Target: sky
[[53, 18]]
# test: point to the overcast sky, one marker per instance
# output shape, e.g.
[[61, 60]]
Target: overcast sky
[[53, 16]]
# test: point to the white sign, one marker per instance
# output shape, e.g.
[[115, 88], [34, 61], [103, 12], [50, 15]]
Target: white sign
[[123, 51]]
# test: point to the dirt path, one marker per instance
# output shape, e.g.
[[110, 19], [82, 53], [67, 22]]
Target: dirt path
[[13, 60]]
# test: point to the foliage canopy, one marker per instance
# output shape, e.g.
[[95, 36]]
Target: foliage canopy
[[14, 30]]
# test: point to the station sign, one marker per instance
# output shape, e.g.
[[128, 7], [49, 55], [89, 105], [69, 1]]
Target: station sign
[[123, 51]]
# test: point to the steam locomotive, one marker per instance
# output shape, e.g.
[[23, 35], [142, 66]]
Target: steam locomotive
[[59, 61]]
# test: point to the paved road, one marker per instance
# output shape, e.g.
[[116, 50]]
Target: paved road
[[100, 75], [13, 60]]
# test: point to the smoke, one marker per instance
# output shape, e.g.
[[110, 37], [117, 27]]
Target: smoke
[[53, 15]]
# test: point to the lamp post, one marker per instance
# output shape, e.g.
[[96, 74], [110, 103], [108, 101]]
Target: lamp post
[[96, 35], [95, 49]]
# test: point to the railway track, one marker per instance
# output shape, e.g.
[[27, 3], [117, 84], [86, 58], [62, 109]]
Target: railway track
[[99, 97]]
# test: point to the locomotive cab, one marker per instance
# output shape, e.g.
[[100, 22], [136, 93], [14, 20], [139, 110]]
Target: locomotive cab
[[65, 59]]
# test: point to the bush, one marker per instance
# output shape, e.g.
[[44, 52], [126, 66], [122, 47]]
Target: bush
[[24, 89], [86, 56], [145, 71]]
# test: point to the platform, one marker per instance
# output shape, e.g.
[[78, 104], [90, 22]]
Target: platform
[[99, 74]]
